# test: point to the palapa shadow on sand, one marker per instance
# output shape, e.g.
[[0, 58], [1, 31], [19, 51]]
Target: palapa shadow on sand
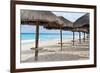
[[55, 57], [53, 53]]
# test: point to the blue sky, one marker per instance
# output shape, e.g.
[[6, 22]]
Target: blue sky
[[72, 16]]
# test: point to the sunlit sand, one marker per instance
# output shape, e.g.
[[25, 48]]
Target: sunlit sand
[[51, 51]]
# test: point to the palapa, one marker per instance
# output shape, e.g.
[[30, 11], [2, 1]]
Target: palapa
[[34, 17], [82, 25], [83, 21], [65, 25]]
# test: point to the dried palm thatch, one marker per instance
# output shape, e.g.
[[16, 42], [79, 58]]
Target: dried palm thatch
[[82, 24], [82, 21], [80, 30], [43, 17], [64, 24]]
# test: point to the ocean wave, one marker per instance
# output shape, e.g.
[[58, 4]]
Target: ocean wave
[[27, 41]]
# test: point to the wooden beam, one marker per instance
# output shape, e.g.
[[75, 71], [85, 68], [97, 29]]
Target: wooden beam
[[61, 37], [37, 41], [84, 36], [73, 37], [80, 37]]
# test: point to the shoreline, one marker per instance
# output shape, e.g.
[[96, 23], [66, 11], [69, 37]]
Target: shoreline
[[31, 43], [33, 40], [27, 44]]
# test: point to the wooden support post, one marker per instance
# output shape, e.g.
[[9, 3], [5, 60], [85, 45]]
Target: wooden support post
[[36, 41], [73, 37], [84, 36], [87, 36], [61, 37], [80, 37]]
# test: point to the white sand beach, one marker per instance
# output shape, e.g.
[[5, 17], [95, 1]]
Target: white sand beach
[[51, 50]]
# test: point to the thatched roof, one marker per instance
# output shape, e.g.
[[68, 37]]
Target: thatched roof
[[82, 21], [80, 30], [31, 16], [65, 24]]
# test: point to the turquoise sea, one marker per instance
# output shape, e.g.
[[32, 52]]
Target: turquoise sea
[[46, 36]]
